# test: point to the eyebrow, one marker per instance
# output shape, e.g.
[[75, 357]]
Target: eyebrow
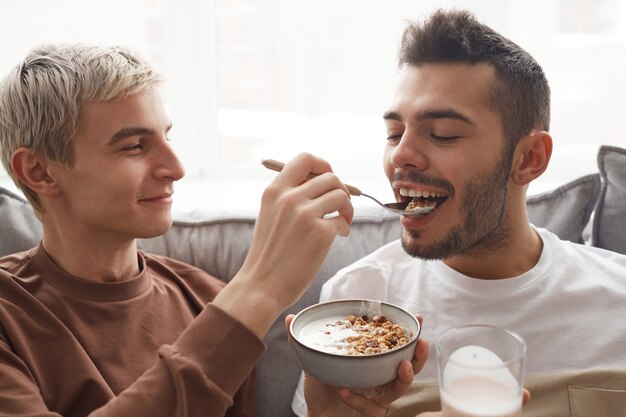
[[430, 115], [127, 132]]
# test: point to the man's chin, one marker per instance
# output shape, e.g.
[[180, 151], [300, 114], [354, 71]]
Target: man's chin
[[154, 230], [412, 246], [416, 246]]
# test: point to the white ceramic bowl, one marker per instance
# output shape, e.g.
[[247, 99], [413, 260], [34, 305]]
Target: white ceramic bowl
[[363, 371]]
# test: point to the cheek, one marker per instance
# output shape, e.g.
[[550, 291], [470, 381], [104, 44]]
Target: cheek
[[387, 165], [112, 185]]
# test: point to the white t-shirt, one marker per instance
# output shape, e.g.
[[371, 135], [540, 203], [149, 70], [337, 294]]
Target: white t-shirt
[[570, 307]]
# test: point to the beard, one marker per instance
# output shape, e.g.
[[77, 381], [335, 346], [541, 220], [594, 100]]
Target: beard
[[482, 227]]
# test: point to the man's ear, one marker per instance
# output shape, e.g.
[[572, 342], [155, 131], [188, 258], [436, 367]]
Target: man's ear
[[532, 156], [32, 171]]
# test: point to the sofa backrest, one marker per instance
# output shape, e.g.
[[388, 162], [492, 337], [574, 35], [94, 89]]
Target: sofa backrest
[[19, 227]]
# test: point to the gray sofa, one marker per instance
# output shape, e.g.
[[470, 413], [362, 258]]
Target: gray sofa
[[590, 210]]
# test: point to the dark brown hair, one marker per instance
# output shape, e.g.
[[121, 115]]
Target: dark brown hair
[[521, 95]]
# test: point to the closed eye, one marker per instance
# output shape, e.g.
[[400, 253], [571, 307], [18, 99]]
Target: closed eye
[[134, 147], [444, 138]]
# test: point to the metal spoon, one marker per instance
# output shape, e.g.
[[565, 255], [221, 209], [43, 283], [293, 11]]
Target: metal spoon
[[396, 208]]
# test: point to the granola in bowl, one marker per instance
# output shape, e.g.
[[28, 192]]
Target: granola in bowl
[[355, 335]]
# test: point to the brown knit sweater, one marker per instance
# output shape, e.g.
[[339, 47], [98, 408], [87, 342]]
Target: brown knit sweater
[[147, 346]]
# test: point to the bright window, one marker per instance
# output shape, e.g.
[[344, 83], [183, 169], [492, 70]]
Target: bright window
[[253, 79]]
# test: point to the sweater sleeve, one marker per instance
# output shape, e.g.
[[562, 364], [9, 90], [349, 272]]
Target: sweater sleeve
[[198, 375]]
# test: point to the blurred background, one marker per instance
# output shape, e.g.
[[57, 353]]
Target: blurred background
[[254, 79]]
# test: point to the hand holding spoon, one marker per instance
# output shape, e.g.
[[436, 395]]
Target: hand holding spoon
[[396, 208]]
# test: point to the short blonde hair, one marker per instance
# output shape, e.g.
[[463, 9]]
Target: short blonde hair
[[42, 98]]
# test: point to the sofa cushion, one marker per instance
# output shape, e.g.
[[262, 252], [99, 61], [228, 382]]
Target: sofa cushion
[[216, 245], [609, 221], [566, 210], [19, 227]]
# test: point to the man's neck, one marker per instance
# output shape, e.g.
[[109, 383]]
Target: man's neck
[[96, 259], [515, 257]]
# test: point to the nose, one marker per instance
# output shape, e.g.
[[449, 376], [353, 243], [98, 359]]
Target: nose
[[168, 166], [409, 153]]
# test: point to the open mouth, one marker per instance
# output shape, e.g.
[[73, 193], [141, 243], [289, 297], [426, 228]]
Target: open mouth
[[418, 199]]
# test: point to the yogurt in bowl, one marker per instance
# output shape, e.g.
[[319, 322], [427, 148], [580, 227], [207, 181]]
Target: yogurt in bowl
[[354, 343]]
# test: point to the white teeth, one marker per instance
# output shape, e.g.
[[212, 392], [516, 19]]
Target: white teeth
[[420, 193]]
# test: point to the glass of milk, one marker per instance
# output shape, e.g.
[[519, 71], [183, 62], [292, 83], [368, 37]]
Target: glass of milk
[[481, 371]]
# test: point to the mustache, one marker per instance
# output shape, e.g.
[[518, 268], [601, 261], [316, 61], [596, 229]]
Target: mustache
[[415, 176]]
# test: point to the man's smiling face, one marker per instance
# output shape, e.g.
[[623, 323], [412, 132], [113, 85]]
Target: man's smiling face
[[446, 143], [121, 182]]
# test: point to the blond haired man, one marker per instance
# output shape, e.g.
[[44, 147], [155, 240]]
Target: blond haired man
[[89, 325]]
